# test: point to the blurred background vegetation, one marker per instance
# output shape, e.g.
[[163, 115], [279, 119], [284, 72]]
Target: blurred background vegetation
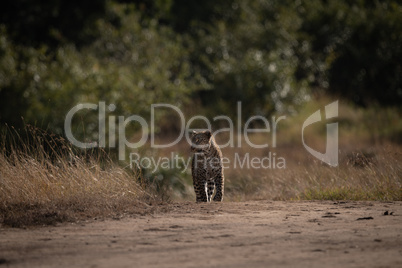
[[287, 57], [272, 55]]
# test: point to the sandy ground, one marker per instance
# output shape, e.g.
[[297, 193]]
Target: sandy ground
[[244, 234]]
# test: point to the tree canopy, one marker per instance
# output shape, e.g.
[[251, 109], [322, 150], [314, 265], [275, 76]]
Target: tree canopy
[[272, 55]]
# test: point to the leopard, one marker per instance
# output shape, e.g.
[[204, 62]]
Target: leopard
[[207, 167]]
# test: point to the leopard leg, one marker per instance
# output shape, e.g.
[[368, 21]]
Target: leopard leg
[[219, 184], [201, 192], [200, 189], [211, 188], [199, 179]]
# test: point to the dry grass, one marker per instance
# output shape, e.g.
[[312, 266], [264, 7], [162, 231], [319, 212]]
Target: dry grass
[[378, 177], [42, 181], [370, 159], [364, 173]]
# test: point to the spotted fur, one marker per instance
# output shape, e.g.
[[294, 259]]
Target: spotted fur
[[207, 168]]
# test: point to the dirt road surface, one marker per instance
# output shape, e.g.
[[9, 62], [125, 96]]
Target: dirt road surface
[[243, 234]]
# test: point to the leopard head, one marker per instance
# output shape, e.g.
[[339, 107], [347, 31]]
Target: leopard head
[[200, 141]]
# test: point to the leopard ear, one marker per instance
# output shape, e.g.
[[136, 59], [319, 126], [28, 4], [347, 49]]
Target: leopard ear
[[192, 133], [208, 133]]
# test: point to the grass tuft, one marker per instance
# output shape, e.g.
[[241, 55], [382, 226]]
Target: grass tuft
[[44, 181]]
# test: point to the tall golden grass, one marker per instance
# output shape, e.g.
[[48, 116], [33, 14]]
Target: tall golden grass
[[370, 159], [359, 176], [363, 173], [42, 180]]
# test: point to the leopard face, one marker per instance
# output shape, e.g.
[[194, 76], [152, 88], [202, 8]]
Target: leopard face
[[200, 141]]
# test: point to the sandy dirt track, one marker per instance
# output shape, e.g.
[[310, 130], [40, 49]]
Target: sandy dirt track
[[243, 234]]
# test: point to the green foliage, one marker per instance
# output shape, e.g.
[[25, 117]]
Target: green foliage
[[170, 183], [356, 47], [37, 22], [268, 54], [248, 55], [131, 65], [272, 55]]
